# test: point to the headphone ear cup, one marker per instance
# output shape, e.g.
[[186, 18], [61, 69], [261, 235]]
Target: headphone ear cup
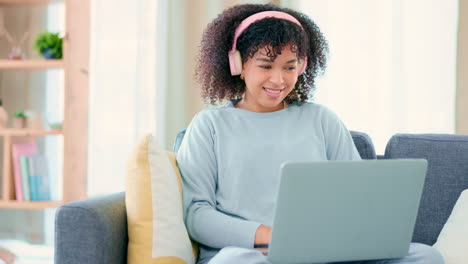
[[235, 62]]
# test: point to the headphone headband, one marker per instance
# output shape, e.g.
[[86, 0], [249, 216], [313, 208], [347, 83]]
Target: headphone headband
[[235, 61]]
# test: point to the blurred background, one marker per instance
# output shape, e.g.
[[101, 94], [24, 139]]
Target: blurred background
[[392, 69], [395, 66]]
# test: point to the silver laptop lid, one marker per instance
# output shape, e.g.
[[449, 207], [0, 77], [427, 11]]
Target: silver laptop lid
[[346, 210]]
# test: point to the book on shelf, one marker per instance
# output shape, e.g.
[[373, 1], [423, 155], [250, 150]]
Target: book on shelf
[[32, 179], [17, 150], [39, 177], [23, 160]]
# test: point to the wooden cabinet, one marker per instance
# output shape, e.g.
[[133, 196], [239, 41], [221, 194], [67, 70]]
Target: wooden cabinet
[[75, 110]]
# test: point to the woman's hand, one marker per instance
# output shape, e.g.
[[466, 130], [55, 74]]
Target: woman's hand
[[263, 235]]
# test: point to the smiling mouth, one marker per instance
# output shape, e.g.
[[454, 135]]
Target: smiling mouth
[[273, 91]]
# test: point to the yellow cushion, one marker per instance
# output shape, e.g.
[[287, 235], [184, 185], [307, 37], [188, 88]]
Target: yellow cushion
[[156, 230]]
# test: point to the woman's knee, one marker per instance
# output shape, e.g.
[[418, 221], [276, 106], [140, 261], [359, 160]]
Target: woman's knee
[[425, 254], [236, 255]]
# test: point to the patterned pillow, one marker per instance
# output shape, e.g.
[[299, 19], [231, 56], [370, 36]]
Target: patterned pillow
[[156, 230]]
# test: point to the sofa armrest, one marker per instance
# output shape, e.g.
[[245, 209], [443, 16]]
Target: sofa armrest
[[446, 178], [92, 231]]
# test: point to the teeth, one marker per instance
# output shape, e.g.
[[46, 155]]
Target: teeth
[[273, 91]]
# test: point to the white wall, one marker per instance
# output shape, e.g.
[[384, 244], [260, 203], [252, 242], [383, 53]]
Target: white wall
[[392, 64]]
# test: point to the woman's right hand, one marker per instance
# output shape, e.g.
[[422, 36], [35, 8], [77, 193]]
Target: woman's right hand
[[263, 235]]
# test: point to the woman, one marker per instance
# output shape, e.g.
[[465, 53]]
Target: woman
[[264, 60]]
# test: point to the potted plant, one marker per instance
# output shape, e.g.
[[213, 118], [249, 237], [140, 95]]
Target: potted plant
[[19, 119], [49, 45], [3, 116]]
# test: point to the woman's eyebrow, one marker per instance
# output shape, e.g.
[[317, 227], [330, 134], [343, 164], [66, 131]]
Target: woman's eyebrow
[[264, 59], [269, 60]]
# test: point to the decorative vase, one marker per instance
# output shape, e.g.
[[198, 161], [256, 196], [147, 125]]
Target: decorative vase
[[3, 117], [16, 53], [19, 122], [49, 55]]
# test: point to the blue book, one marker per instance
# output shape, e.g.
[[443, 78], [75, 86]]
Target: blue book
[[23, 160], [39, 177], [33, 187], [32, 178]]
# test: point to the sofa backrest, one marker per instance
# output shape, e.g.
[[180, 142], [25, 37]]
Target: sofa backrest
[[362, 141], [447, 176], [364, 145]]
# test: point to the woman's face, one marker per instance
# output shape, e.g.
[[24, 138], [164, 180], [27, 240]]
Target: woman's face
[[269, 82]]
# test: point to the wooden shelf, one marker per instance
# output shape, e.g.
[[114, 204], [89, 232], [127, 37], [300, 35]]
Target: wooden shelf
[[75, 108], [30, 65], [28, 132], [13, 204], [26, 2]]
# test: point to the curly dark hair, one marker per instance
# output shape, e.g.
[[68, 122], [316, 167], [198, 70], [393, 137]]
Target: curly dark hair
[[213, 70]]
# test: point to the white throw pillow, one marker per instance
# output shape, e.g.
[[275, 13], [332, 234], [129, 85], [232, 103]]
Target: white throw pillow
[[453, 239]]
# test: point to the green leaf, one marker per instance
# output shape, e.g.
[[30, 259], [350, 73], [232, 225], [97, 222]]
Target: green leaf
[[19, 114], [49, 41]]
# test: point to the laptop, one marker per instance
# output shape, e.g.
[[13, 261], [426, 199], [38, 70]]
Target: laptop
[[336, 211]]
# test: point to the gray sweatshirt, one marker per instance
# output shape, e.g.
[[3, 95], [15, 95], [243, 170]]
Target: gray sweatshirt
[[230, 162]]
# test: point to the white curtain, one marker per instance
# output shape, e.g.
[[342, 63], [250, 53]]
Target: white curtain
[[462, 68], [123, 85], [392, 66], [143, 57]]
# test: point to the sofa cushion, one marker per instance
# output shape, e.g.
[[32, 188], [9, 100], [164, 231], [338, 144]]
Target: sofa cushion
[[446, 178], [364, 145], [361, 140], [156, 230], [453, 239]]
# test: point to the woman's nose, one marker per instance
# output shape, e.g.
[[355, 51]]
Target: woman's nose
[[277, 77]]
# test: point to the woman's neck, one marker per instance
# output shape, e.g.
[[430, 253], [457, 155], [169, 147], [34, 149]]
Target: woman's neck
[[244, 104]]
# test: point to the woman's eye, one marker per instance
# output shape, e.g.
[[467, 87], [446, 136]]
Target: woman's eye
[[292, 68], [265, 67]]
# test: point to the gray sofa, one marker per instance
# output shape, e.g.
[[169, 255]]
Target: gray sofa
[[95, 230]]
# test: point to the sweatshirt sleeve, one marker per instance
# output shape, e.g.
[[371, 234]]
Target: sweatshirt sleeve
[[197, 163], [338, 139]]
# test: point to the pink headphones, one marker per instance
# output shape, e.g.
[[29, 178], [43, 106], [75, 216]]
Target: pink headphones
[[235, 60]]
